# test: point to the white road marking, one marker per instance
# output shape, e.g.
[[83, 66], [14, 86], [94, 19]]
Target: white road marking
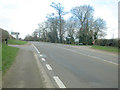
[[104, 60], [36, 49], [43, 59], [110, 62], [48, 83], [48, 67], [59, 82], [41, 55], [90, 56]]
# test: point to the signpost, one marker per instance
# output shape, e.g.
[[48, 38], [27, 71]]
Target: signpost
[[16, 33]]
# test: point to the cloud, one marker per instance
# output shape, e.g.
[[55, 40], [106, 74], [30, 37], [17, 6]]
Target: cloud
[[24, 15], [109, 12]]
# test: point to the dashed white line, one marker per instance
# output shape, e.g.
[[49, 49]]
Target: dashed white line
[[48, 67], [43, 59], [48, 83], [59, 82]]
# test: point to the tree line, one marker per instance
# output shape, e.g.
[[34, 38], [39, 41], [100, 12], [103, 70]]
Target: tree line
[[80, 27]]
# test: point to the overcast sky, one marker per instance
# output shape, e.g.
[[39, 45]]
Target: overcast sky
[[24, 15]]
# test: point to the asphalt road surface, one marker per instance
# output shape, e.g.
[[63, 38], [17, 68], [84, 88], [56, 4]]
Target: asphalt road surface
[[78, 67]]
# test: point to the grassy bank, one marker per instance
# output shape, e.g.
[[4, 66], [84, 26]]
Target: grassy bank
[[16, 42], [8, 56], [106, 48], [9, 53]]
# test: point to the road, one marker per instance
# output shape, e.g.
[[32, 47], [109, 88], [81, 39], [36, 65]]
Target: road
[[78, 67]]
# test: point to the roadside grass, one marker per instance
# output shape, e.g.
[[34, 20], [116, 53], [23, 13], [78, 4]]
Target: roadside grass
[[9, 53], [16, 42], [8, 56], [106, 48]]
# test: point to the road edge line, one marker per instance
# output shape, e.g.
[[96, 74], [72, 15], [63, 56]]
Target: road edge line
[[49, 67], [47, 81], [59, 82]]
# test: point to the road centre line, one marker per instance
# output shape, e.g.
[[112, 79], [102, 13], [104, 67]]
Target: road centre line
[[48, 67], [43, 59], [90, 56], [59, 82], [36, 49]]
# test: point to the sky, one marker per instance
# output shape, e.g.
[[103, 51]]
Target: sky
[[23, 16]]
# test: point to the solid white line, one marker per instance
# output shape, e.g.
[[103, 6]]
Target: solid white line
[[43, 59], [59, 82], [48, 67], [36, 49]]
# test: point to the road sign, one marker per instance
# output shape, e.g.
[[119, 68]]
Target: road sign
[[15, 33]]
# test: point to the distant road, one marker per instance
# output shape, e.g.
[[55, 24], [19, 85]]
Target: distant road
[[78, 67]]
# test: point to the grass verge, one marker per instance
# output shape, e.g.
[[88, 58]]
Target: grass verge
[[106, 48], [16, 42], [8, 56]]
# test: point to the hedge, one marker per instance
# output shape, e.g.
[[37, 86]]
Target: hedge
[[108, 42]]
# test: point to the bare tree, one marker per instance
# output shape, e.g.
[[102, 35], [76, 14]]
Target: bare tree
[[42, 31], [52, 25], [70, 28], [60, 11], [81, 25], [83, 14], [99, 28]]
